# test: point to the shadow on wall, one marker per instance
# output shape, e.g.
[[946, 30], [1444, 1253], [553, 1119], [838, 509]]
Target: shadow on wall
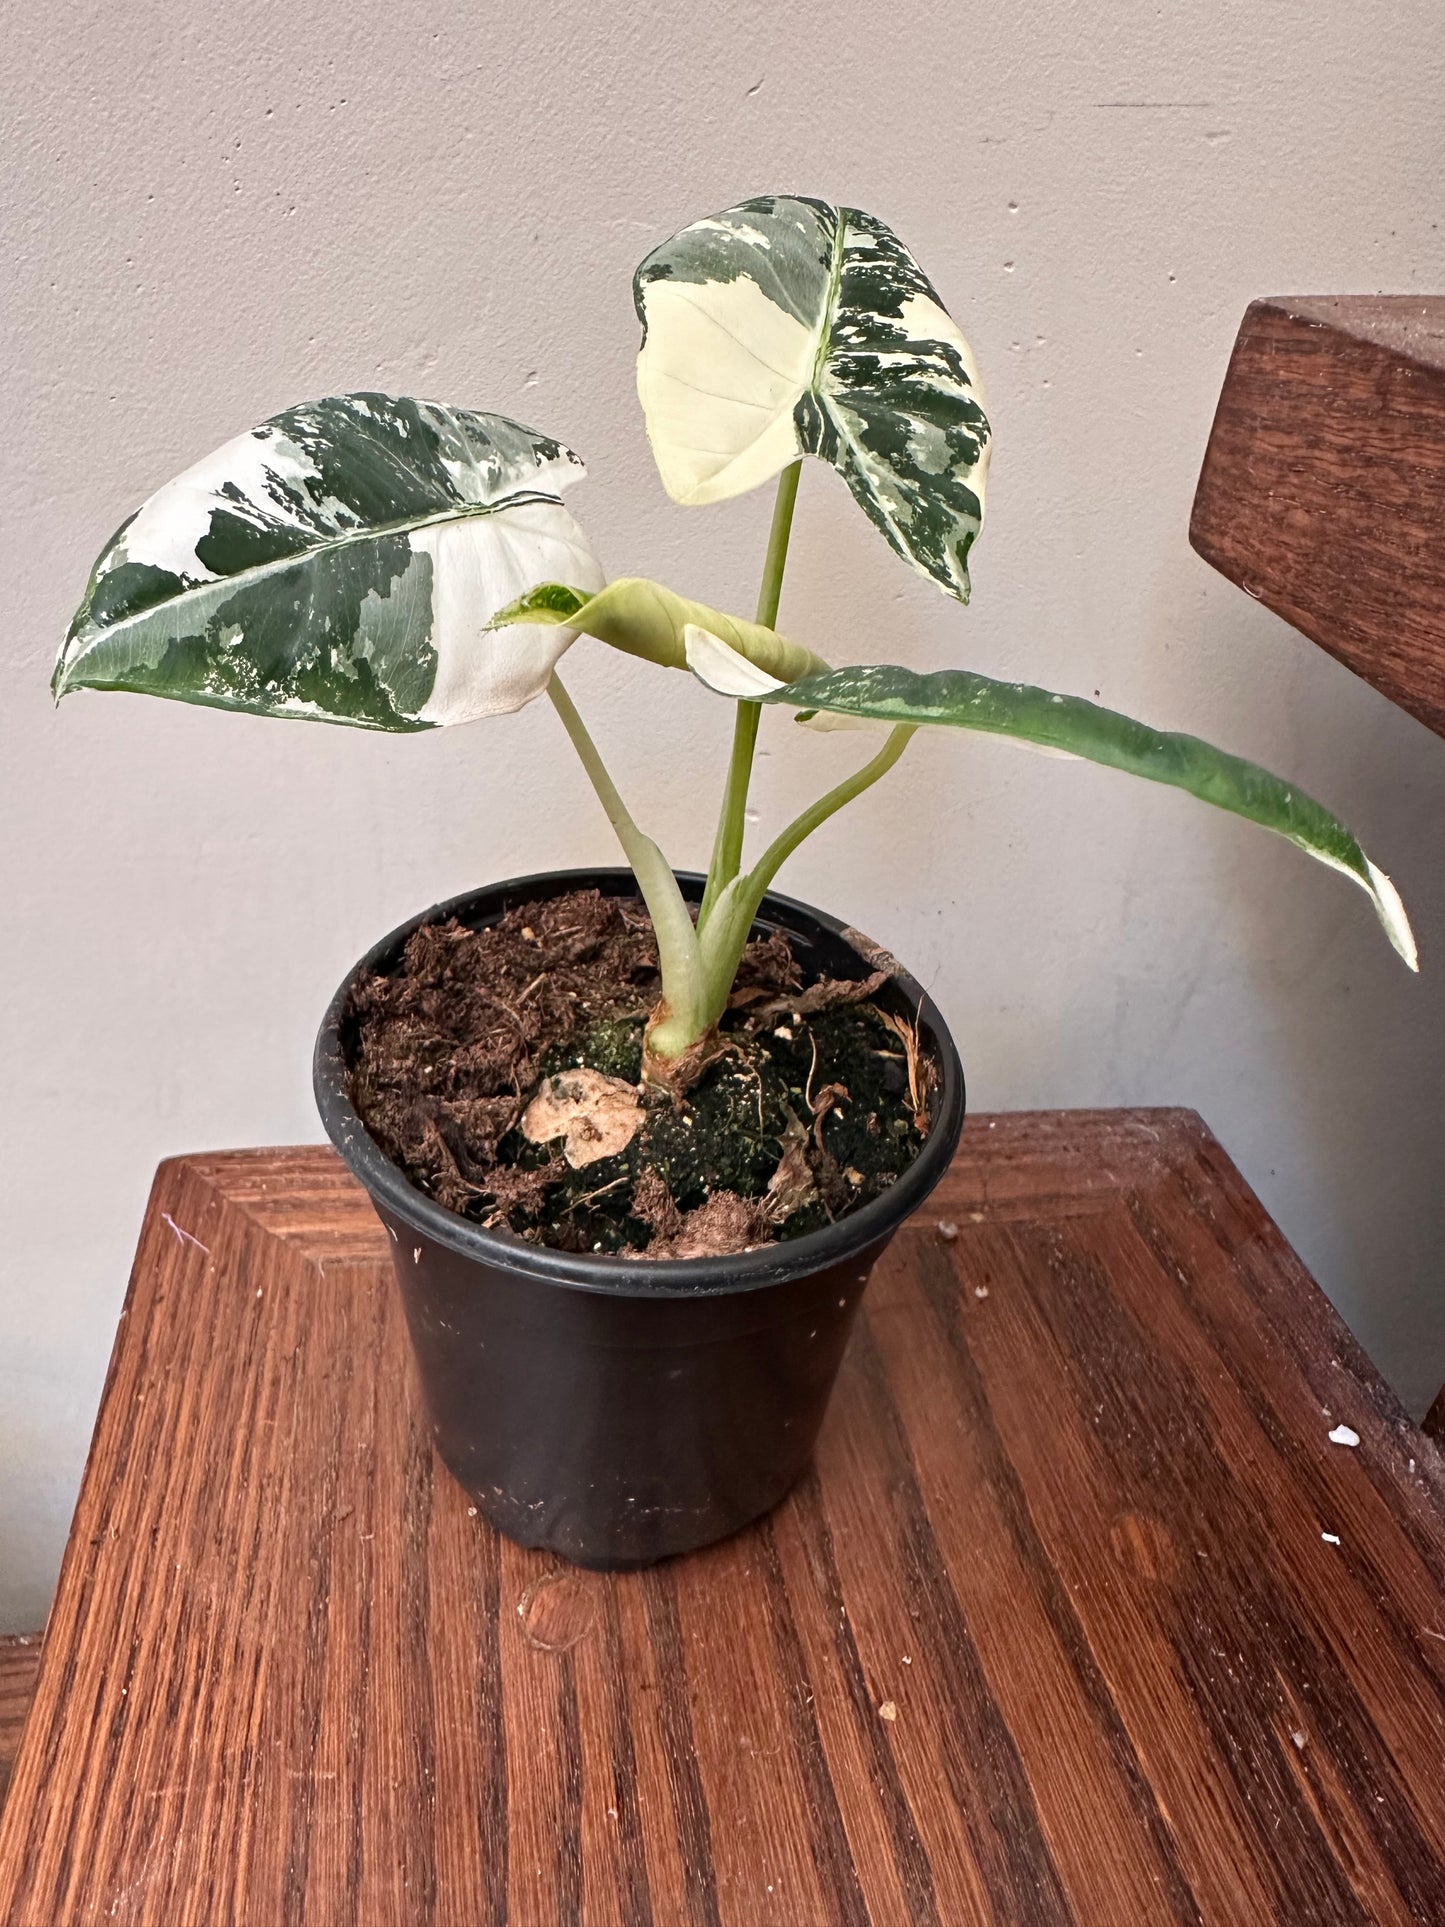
[[1353, 1046]]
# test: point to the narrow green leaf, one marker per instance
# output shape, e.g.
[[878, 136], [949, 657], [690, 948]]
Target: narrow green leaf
[[958, 699], [644, 618], [785, 326], [340, 562]]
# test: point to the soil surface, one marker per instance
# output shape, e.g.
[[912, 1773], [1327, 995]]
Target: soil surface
[[500, 1069]]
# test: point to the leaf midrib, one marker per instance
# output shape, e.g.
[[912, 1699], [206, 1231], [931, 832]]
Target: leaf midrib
[[373, 532], [830, 302]]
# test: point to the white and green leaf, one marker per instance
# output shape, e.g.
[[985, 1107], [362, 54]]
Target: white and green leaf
[[785, 327], [1068, 725], [340, 562], [647, 619]]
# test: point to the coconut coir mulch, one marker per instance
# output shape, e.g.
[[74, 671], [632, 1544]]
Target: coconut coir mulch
[[500, 1069]]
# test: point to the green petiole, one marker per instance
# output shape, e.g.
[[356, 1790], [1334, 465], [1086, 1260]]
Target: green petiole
[[727, 852]]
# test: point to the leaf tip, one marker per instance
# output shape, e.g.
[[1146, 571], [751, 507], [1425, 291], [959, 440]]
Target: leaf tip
[[1391, 909], [725, 669], [61, 680]]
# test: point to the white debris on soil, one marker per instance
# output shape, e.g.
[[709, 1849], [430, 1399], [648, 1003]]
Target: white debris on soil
[[1344, 1435], [597, 1116]]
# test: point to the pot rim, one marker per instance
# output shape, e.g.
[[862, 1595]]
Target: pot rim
[[605, 1272]]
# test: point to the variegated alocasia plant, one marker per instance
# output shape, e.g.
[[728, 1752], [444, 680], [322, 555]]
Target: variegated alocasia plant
[[395, 564]]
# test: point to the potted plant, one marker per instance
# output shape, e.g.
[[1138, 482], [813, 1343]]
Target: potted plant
[[635, 1165]]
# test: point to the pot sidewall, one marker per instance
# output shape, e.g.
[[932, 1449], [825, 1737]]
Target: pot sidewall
[[618, 1411]]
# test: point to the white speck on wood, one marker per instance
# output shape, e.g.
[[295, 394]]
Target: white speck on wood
[[1344, 1435], [888, 1711], [1299, 1739], [1330, 1538], [980, 1291]]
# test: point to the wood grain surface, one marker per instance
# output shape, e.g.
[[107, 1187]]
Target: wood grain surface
[[1323, 486], [1080, 1619], [19, 1661]]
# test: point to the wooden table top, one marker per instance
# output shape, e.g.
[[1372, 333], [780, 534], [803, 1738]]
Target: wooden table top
[[19, 1660], [1081, 1618]]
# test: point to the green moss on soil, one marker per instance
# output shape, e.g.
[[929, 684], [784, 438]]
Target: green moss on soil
[[731, 1131]]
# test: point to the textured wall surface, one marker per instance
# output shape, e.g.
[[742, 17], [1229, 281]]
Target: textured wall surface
[[211, 212]]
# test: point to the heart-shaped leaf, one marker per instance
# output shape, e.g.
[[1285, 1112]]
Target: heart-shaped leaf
[[785, 327], [340, 562], [958, 699]]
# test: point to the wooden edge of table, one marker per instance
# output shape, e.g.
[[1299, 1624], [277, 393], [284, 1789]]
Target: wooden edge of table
[[1322, 482]]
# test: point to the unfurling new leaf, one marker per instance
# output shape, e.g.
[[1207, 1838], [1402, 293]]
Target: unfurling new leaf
[[644, 618]]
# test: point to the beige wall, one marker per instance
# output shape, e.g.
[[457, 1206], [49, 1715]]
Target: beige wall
[[212, 211]]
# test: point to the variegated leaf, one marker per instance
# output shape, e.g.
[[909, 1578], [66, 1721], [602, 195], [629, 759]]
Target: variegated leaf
[[958, 699], [341, 562], [783, 327], [647, 619]]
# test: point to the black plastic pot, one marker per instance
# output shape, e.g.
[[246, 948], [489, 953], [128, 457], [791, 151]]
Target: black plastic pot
[[615, 1410]]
